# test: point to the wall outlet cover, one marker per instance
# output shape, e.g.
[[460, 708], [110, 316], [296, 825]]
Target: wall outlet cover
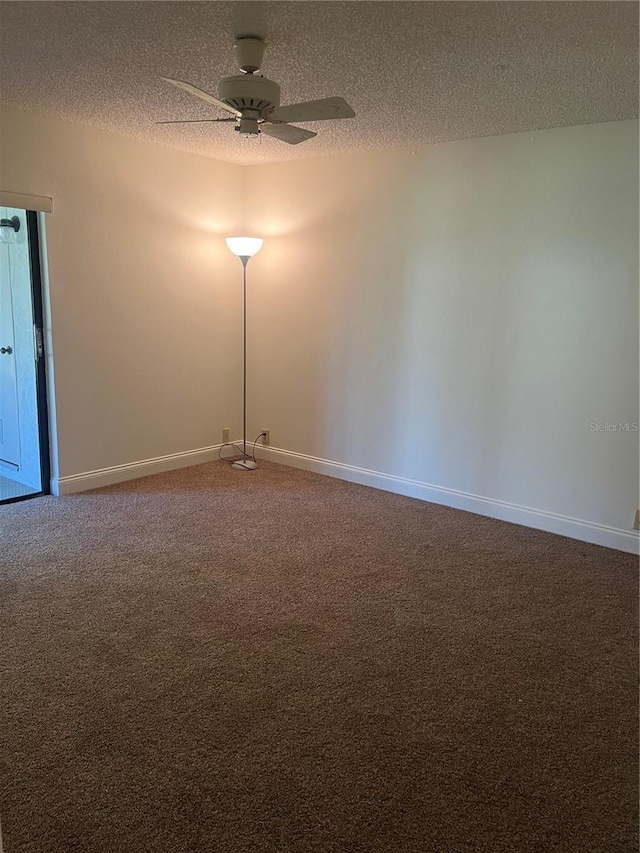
[[225, 436], [636, 520]]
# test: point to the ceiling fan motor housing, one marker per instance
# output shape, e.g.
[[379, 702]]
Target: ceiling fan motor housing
[[248, 92]]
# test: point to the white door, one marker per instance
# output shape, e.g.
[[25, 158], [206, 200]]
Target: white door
[[9, 429]]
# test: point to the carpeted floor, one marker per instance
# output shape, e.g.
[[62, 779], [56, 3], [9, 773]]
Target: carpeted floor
[[211, 660]]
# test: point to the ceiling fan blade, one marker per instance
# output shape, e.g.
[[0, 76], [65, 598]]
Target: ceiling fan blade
[[205, 96], [287, 133], [194, 120], [326, 108]]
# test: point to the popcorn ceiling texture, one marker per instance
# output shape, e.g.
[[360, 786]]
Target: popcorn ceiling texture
[[415, 73]]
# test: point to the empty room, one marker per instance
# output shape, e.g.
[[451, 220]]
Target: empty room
[[319, 459]]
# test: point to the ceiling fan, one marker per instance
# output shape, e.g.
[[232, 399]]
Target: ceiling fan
[[254, 101]]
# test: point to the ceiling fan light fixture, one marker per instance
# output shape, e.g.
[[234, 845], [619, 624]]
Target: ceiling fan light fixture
[[248, 128]]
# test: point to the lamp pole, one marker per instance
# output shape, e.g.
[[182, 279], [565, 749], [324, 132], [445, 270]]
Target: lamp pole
[[245, 261], [244, 248]]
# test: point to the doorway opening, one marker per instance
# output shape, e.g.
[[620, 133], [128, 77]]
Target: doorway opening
[[24, 438]]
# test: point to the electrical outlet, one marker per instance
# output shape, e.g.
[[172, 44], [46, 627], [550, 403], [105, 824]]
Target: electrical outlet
[[225, 436], [636, 520], [265, 436]]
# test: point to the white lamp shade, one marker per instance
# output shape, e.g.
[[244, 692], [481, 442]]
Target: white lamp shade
[[244, 247]]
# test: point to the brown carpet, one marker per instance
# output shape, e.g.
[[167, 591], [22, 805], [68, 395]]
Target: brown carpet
[[212, 660]]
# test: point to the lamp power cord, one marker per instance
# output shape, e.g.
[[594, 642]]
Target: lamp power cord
[[231, 459]]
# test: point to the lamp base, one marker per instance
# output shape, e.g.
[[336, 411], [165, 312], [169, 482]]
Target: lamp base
[[244, 465]]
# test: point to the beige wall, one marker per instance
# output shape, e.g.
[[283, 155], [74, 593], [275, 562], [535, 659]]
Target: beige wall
[[145, 298], [459, 315]]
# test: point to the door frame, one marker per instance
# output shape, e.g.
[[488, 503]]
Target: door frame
[[33, 233], [37, 302]]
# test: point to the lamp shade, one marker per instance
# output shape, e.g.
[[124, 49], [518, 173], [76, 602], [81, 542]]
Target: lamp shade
[[244, 247]]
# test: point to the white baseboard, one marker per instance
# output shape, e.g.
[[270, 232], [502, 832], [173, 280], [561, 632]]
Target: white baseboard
[[132, 470], [586, 531]]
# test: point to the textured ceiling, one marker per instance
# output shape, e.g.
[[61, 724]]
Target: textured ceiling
[[414, 72]]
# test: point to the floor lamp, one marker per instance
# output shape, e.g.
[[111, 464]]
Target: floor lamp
[[245, 248]]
